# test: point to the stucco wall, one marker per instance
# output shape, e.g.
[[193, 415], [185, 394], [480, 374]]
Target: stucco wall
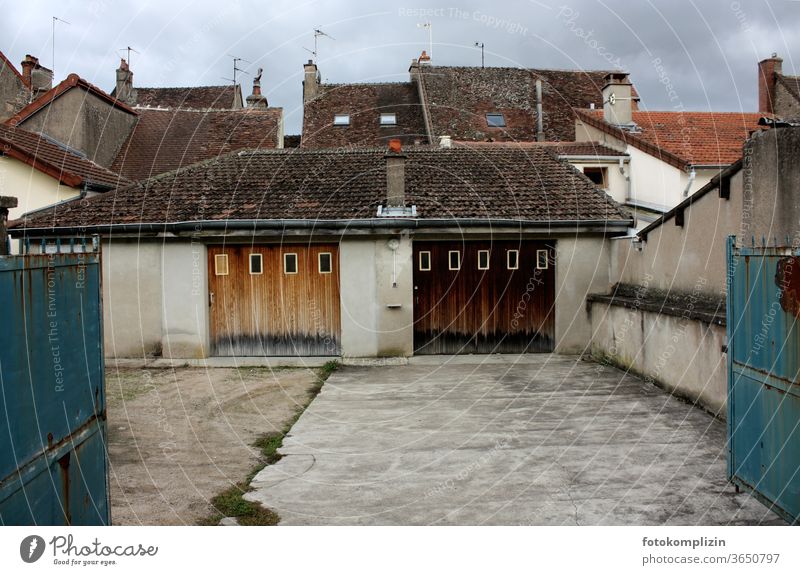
[[184, 315], [12, 93], [31, 187], [679, 354], [83, 121], [617, 185], [582, 266], [377, 316], [785, 105], [132, 298], [686, 258]]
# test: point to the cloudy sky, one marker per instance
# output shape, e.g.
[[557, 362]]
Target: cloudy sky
[[699, 55]]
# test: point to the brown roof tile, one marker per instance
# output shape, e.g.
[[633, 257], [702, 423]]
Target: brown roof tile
[[164, 140], [684, 138], [460, 97], [58, 162], [364, 103], [195, 98], [529, 185], [560, 148]]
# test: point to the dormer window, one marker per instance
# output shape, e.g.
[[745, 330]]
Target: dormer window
[[341, 120], [388, 119], [495, 120]]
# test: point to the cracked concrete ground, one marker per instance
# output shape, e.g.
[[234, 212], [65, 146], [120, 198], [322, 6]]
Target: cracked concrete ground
[[511, 440]]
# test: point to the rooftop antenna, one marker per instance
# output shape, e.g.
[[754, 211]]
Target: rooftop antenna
[[480, 45], [128, 49], [317, 34], [236, 68], [56, 19], [429, 26]]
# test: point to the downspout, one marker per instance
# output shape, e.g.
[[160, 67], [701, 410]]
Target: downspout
[[627, 176], [692, 175]]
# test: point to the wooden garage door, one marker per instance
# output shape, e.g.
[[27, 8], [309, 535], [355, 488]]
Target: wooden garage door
[[483, 297], [274, 300]]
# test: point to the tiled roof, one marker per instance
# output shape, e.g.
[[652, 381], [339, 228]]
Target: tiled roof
[[5, 64], [460, 97], [364, 103], [164, 140], [684, 138], [792, 83], [54, 160], [72, 81], [529, 185], [560, 148], [196, 98]]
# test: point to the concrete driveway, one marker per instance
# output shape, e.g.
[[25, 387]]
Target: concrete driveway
[[512, 440]]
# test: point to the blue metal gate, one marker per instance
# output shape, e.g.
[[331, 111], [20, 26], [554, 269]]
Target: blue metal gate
[[763, 374], [53, 466]]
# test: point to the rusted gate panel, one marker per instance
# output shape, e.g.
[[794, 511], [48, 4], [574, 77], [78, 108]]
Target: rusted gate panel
[[53, 468], [764, 374], [278, 311], [507, 308]]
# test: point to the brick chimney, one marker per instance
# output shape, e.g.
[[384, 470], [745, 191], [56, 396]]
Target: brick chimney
[[395, 175], [424, 59], [310, 81], [618, 100], [257, 99], [39, 78], [767, 70], [124, 90]]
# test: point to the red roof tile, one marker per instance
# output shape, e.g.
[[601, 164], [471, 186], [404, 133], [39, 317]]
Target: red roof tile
[[684, 138], [164, 140], [56, 161]]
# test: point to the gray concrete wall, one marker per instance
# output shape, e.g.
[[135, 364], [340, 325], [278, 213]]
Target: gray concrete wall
[[681, 355], [85, 122], [676, 258], [582, 267], [12, 93], [132, 297], [785, 105], [184, 317], [377, 316]]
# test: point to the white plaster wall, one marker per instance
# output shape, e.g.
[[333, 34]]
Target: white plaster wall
[[617, 184], [358, 294], [395, 324], [31, 187], [682, 355], [185, 302], [132, 298], [582, 268]]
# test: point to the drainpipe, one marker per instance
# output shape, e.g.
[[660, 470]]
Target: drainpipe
[[692, 175], [627, 176], [539, 121]]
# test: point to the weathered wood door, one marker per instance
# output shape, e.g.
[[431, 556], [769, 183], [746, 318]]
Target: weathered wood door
[[274, 300], [484, 297]]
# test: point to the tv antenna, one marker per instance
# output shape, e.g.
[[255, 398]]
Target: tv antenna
[[128, 49], [317, 34], [236, 68], [480, 45], [56, 19], [429, 26]]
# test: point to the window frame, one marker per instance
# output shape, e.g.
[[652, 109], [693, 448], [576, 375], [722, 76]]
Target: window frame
[[539, 254], [419, 262], [260, 263], [488, 259], [383, 115], [602, 171], [495, 124], [508, 259], [345, 122], [296, 264], [450, 260], [319, 262], [217, 259]]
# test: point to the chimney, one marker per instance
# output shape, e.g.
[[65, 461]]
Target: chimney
[[27, 68], [618, 100], [767, 70], [256, 99], [445, 142], [310, 81], [124, 90], [39, 78], [424, 59], [413, 70], [395, 175]]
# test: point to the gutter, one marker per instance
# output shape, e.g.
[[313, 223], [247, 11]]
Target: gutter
[[255, 225], [626, 158]]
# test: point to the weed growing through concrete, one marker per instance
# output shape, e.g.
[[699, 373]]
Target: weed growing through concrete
[[231, 502]]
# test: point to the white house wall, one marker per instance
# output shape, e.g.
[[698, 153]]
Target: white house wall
[[185, 299], [32, 188]]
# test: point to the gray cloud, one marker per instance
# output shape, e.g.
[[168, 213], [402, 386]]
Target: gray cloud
[[707, 50]]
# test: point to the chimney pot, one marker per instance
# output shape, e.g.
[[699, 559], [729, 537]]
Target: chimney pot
[[124, 90], [424, 59], [445, 142], [395, 146]]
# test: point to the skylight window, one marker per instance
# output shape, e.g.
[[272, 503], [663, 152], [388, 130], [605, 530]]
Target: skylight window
[[495, 120], [388, 119], [341, 120]]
